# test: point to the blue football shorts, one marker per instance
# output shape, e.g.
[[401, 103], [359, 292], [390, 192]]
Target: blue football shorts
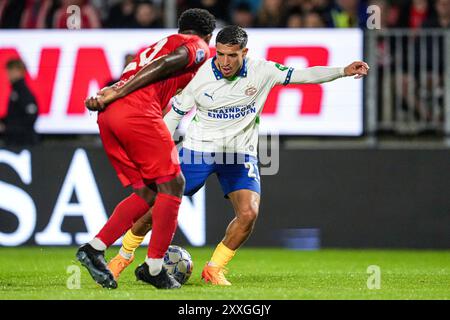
[[234, 171]]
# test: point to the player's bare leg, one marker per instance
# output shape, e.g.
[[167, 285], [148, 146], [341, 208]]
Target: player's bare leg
[[91, 255], [143, 225], [131, 241], [164, 223], [246, 208]]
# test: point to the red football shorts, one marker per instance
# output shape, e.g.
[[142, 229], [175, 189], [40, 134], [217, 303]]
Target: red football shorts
[[138, 144]]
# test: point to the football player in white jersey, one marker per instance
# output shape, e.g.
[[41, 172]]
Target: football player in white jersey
[[229, 92]]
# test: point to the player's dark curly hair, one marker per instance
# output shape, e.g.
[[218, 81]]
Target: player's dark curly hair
[[232, 35], [199, 20]]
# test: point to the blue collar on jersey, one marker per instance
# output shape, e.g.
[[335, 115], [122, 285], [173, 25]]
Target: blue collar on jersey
[[219, 75]]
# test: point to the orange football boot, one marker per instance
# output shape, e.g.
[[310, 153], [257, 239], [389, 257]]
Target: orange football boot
[[118, 264], [215, 275]]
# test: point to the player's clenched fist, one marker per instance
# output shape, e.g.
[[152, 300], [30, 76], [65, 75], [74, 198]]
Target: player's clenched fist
[[92, 104], [358, 69], [104, 97]]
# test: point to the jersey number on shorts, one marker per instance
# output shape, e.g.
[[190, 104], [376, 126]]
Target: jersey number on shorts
[[252, 170]]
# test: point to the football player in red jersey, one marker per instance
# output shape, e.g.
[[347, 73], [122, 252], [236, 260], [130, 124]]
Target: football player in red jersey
[[139, 146]]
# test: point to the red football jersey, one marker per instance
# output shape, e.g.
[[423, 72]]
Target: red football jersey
[[156, 96]]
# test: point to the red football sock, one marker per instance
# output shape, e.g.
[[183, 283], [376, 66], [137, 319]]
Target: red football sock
[[125, 214], [164, 217]]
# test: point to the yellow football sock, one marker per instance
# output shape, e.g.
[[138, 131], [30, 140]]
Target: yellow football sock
[[222, 255], [131, 242]]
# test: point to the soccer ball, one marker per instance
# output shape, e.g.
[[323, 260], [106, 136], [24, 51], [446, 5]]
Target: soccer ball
[[178, 263]]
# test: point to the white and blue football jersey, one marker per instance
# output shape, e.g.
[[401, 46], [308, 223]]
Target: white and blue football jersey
[[228, 110]]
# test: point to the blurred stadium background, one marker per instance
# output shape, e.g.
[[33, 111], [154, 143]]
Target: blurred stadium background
[[360, 164]]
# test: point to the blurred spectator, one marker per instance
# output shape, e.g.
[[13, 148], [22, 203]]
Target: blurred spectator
[[312, 13], [348, 14], [294, 19], [18, 125], [246, 13], [219, 8], [103, 7], [147, 15], [384, 59], [253, 4], [298, 4], [414, 13], [271, 14], [314, 19], [27, 14], [387, 19], [441, 19], [306, 6], [10, 13], [321, 5], [121, 15], [89, 16], [303, 5], [242, 15], [38, 14]]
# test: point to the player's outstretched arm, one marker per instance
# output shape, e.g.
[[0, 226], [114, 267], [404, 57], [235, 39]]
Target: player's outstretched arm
[[358, 68], [315, 75], [156, 70]]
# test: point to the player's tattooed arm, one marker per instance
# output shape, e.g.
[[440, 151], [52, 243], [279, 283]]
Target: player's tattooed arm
[[157, 70]]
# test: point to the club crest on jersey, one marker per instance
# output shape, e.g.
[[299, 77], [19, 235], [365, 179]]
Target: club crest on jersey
[[200, 56], [250, 91]]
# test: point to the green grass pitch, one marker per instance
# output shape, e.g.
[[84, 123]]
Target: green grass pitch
[[41, 273]]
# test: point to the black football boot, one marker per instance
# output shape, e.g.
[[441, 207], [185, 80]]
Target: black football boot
[[95, 263]]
